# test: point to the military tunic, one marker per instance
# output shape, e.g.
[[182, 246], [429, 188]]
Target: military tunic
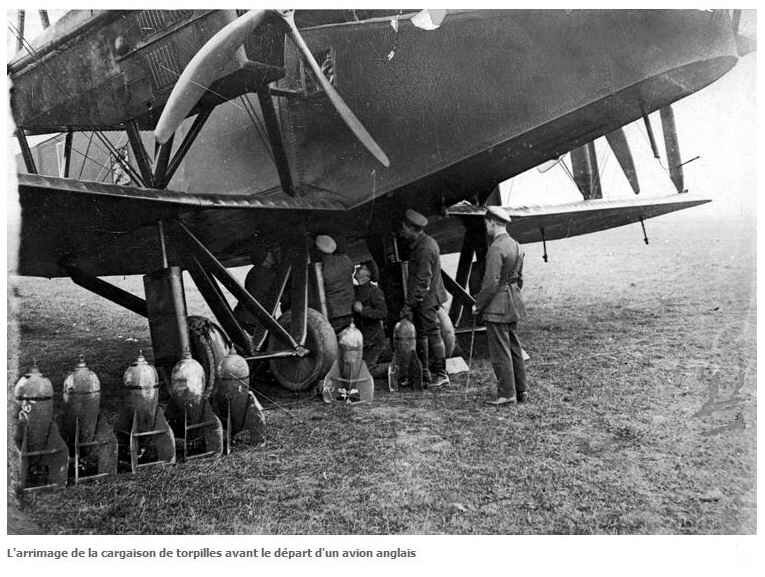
[[260, 282], [370, 321], [500, 304], [338, 288], [425, 287]]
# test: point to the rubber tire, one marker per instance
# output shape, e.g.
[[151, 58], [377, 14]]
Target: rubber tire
[[209, 345], [300, 374], [447, 331]]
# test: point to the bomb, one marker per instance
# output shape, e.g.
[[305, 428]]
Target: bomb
[[82, 402], [350, 345], [143, 434], [34, 400], [405, 369], [141, 393], [232, 387], [43, 455], [348, 378], [187, 387], [235, 404]]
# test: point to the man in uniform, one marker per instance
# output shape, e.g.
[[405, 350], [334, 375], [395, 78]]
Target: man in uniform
[[260, 283], [500, 304], [369, 311], [337, 270], [425, 293]]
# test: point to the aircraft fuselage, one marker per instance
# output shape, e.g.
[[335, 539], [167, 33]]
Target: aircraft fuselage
[[458, 109]]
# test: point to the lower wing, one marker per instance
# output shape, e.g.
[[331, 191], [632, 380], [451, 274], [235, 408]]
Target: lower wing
[[537, 223], [108, 229]]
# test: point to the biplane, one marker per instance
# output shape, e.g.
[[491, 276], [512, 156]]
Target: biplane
[[239, 129]]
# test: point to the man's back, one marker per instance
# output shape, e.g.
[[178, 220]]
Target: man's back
[[338, 284], [425, 283]]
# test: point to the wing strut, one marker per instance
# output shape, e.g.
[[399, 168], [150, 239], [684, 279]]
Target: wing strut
[[188, 140], [617, 140], [672, 148], [275, 138], [236, 289], [108, 291], [163, 157], [214, 298], [139, 151], [68, 152], [20, 18], [651, 137], [26, 152], [586, 174]]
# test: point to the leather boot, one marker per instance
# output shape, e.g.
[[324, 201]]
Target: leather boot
[[438, 354], [441, 378]]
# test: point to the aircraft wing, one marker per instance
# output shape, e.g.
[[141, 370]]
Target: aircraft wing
[[571, 219], [109, 229]]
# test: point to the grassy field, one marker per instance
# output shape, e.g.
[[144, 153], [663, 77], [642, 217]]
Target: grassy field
[[642, 420]]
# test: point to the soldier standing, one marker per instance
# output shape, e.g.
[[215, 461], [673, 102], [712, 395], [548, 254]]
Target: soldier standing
[[500, 304], [260, 283], [425, 293], [338, 282]]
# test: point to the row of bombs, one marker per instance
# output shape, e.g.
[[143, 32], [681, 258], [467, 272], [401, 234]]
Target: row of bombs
[[349, 379], [80, 444]]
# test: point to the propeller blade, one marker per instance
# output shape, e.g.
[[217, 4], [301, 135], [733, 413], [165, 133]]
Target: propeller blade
[[204, 69], [334, 96]]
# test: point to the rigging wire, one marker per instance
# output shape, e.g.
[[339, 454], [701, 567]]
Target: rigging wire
[[566, 170], [250, 109], [35, 55], [648, 144], [87, 150], [123, 162]]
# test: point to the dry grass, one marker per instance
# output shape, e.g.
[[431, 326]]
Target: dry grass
[[643, 416]]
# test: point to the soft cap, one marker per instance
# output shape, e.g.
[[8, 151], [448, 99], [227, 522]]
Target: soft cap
[[326, 244], [498, 213], [416, 218]]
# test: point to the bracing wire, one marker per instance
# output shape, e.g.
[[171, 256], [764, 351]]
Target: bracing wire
[[250, 109]]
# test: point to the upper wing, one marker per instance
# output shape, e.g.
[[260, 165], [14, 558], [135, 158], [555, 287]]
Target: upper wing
[[530, 223], [109, 229]]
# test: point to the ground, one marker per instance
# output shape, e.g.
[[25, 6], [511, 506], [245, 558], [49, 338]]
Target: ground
[[642, 416]]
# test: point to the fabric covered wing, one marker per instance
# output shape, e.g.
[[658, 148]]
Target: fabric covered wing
[[112, 230], [565, 220]]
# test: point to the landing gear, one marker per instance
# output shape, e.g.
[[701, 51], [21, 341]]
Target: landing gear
[[298, 374], [301, 347]]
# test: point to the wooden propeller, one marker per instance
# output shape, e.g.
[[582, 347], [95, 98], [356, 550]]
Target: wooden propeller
[[209, 63]]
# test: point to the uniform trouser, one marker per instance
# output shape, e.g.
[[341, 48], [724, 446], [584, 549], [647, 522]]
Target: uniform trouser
[[373, 348], [506, 359], [429, 338]]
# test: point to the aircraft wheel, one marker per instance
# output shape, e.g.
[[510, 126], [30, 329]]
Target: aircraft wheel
[[447, 331], [299, 374], [209, 345]]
